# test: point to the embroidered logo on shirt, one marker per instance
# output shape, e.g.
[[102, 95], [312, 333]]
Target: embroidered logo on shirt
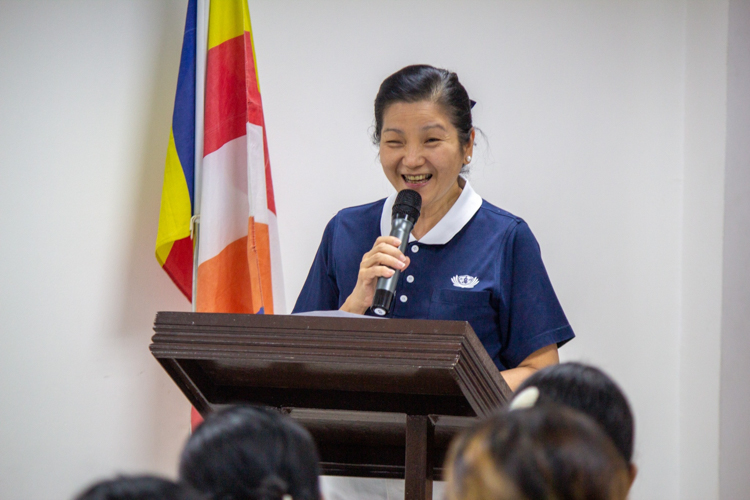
[[464, 281]]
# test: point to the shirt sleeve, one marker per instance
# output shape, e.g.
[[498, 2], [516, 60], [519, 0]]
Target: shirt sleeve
[[320, 291], [535, 318]]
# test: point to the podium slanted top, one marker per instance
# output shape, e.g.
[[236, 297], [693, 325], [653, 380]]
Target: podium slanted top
[[417, 367]]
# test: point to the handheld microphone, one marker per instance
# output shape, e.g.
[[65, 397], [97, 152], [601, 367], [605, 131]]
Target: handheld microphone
[[404, 215]]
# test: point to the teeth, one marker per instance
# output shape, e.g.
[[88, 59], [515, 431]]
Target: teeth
[[417, 178]]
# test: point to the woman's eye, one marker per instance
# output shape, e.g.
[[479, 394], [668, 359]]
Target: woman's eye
[[432, 139]]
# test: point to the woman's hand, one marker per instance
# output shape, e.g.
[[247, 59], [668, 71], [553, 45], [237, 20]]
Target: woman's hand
[[546, 356], [378, 262]]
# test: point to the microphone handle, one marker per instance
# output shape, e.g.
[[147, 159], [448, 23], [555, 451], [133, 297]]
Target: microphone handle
[[386, 287]]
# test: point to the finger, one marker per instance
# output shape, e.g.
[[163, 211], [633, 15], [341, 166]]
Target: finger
[[387, 249], [381, 259], [390, 240], [375, 272], [383, 271], [386, 244]]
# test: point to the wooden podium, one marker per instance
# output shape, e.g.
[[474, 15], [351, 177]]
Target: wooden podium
[[382, 398]]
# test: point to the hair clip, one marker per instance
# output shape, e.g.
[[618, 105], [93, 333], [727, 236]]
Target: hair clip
[[527, 398], [473, 103]]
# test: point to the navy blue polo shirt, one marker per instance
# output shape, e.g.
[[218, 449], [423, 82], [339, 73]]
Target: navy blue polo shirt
[[479, 264]]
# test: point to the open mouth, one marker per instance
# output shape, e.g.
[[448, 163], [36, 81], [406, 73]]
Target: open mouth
[[417, 179]]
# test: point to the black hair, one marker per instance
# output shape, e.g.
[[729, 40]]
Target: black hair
[[547, 451], [589, 390], [140, 488], [251, 453], [421, 82]]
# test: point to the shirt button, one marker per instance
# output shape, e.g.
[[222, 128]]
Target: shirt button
[[414, 248], [410, 279], [403, 298]]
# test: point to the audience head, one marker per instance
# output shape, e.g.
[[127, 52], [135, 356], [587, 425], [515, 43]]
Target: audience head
[[547, 451], [251, 453], [140, 488], [592, 392]]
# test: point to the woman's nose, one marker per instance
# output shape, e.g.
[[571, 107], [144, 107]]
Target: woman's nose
[[413, 157]]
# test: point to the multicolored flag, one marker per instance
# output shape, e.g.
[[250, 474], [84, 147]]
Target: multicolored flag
[[174, 247], [239, 260], [239, 257], [229, 186]]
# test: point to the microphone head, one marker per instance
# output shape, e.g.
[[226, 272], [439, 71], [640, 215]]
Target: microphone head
[[408, 204]]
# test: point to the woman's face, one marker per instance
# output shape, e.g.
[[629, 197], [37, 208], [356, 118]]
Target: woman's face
[[420, 150]]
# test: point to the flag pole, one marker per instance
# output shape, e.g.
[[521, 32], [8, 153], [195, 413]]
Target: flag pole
[[201, 44], [195, 222]]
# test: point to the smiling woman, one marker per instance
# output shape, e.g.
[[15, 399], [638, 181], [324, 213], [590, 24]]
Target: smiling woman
[[466, 259]]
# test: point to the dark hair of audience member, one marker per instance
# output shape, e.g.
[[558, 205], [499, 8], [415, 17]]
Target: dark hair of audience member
[[140, 488], [547, 451], [591, 391], [251, 453]]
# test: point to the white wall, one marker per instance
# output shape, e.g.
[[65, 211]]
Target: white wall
[[735, 348], [705, 114], [595, 114], [85, 109]]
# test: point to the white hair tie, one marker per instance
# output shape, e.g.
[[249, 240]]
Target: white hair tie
[[527, 398]]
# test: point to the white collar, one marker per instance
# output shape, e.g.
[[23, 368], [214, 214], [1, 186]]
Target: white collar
[[460, 213]]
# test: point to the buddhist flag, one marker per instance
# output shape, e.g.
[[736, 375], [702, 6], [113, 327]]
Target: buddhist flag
[[239, 267], [174, 247]]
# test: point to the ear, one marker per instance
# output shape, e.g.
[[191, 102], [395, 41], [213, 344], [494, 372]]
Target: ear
[[469, 149], [632, 472]]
